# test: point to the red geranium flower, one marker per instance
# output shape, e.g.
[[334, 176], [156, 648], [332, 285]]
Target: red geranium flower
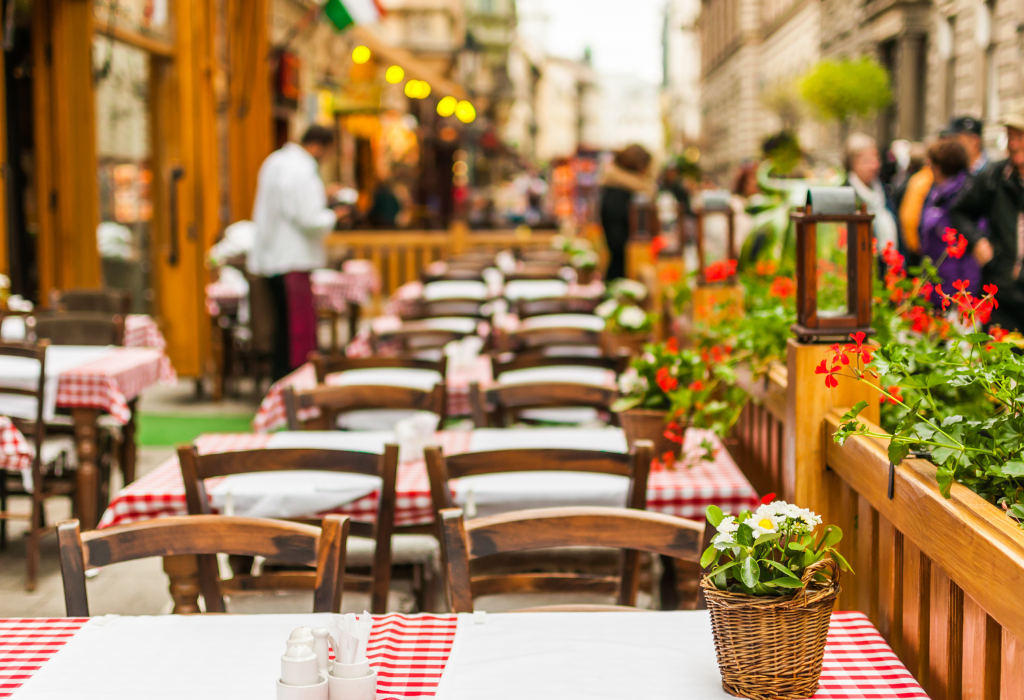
[[830, 380], [998, 333], [782, 288], [894, 393], [672, 345], [670, 275], [945, 297], [665, 380], [719, 271], [765, 267], [696, 386], [658, 244], [767, 498]]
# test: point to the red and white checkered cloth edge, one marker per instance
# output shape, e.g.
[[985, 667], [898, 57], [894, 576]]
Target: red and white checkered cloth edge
[[686, 491], [410, 653], [332, 290], [271, 414], [141, 331], [112, 381], [15, 452]]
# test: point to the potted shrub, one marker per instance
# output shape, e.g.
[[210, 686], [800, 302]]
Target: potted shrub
[[585, 264], [771, 578], [666, 389]]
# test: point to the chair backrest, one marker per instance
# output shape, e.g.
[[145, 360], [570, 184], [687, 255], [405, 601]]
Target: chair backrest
[[527, 308], [509, 400], [108, 301], [196, 468], [80, 328], [533, 338], [413, 340], [34, 426], [457, 271], [332, 364], [545, 256], [635, 465], [444, 308], [204, 536], [332, 401], [509, 362], [545, 528]]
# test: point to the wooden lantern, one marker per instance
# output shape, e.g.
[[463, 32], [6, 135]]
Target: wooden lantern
[[833, 205], [715, 202]]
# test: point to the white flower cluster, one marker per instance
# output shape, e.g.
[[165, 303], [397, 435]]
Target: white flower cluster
[[5, 282], [779, 516], [628, 288], [632, 317], [606, 308], [631, 383]]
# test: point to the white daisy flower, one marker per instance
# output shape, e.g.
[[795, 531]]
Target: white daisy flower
[[606, 308], [632, 317]]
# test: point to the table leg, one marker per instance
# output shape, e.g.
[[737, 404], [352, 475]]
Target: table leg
[[217, 358], [87, 476], [183, 573], [128, 451], [354, 310]]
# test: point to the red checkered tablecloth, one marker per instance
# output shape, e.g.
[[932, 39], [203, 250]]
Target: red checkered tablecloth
[[686, 491], [162, 491], [410, 653], [332, 290], [15, 452], [112, 381], [141, 331], [271, 414]]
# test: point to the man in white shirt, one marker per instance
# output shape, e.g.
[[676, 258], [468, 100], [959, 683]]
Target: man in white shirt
[[292, 218]]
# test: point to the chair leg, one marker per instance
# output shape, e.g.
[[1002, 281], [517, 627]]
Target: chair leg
[[35, 529], [3, 511]]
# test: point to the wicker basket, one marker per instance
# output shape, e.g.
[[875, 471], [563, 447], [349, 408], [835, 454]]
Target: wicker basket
[[772, 648], [648, 424]]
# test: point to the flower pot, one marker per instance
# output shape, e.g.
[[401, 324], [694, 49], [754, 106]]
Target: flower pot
[[584, 275], [648, 424], [633, 343], [771, 648]]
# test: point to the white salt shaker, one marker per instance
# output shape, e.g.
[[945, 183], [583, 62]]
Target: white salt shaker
[[300, 675], [321, 648], [300, 636], [352, 681]]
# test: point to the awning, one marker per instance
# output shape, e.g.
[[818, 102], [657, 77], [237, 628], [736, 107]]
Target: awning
[[413, 67]]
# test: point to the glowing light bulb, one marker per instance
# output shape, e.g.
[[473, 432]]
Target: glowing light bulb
[[360, 54], [465, 112], [412, 88], [394, 75], [446, 107], [424, 88]]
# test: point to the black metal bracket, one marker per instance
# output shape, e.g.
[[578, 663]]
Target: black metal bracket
[[892, 481]]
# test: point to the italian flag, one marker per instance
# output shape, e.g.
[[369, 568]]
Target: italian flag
[[347, 12]]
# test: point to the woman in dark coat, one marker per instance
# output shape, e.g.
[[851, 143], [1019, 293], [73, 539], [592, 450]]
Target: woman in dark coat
[[950, 164], [625, 176]]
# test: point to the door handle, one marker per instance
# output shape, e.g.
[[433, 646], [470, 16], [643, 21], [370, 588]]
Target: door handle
[[177, 173]]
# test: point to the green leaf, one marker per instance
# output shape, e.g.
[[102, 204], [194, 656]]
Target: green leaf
[[745, 536], [709, 556], [843, 564], [1014, 467], [788, 583], [854, 412], [767, 537], [720, 571], [714, 516], [796, 546], [750, 572], [831, 537], [625, 403], [944, 475], [782, 567], [898, 450]]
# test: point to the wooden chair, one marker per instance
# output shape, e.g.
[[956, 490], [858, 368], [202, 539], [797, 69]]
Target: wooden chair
[[457, 271], [510, 401], [79, 328], [107, 301], [49, 454], [541, 339], [527, 308], [333, 364], [205, 536], [419, 341], [544, 528], [333, 401], [196, 468], [509, 362], [636, 466], [446, 308]]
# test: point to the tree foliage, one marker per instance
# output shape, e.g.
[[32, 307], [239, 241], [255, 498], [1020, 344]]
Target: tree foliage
[[841, 89]]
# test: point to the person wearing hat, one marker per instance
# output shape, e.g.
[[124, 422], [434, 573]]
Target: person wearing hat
[[996, 195], [967, 131]]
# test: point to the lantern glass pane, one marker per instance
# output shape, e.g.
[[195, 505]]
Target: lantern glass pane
[[716, 237], [146, 17], [832, 271]]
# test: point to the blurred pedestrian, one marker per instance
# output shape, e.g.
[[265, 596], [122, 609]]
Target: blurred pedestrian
[[949, 163], [911, 200], [292, 218], [863, 165], [967, 130], [996, 194], [626, 176]]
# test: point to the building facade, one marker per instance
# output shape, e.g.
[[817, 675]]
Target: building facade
[[680, 89], [945, 58]]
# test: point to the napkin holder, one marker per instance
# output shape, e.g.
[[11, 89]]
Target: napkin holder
[[352, 681]]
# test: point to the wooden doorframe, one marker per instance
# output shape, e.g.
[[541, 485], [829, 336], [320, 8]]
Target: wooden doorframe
[[5, 265]]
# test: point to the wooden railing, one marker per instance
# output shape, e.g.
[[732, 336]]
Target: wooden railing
[[401, 256], [941, 579]]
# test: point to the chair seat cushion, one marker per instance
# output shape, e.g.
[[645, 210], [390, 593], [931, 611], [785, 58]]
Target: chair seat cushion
[[561, 415], [405, 549], [373, 419]]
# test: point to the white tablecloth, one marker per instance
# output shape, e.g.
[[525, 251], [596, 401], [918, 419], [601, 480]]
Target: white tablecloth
[[455, 289], [568, 374], [424, 379], [656, 655], [23, 373], [588, 322], [536, 289]]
